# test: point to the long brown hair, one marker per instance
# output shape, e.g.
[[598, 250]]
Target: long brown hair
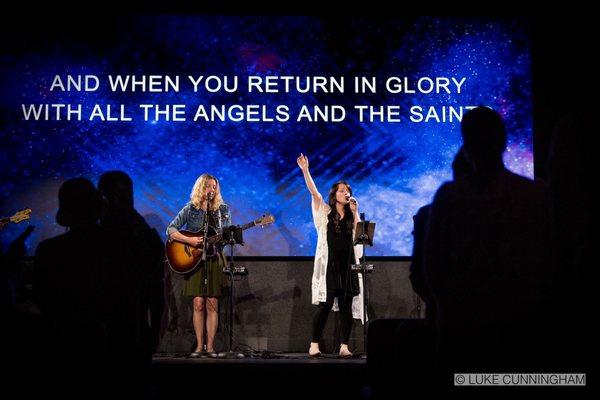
[[333, 215]]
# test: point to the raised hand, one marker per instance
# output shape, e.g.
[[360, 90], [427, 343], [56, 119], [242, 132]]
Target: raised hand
[[302, 162]]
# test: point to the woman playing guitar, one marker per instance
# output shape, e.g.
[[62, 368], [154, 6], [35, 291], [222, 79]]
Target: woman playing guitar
[[204, 283]]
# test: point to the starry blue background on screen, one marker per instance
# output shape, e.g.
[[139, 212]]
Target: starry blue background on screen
[[393, 168]]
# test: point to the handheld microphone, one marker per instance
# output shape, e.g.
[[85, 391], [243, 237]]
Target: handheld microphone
[[210, 195], [352, 200]]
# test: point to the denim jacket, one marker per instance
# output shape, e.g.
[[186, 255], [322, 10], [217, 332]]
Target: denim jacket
[[192, 218]]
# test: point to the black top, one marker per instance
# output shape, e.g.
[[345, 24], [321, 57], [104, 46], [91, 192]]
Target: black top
[[213, 227], [212, 218], [340, 279]]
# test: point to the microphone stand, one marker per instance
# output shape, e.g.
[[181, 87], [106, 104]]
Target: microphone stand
[[232, 270], [364, 269], [205, 283]]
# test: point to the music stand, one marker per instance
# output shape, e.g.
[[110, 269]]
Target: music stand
[[365, 231], [232, 235]]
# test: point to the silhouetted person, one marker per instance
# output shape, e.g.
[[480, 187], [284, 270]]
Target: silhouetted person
[[81, 286], [19, 323], [487, 258], [21, 329], [9, 266], [412, 364], [460, 168], [147, 254], [5, 273], [571, 176]]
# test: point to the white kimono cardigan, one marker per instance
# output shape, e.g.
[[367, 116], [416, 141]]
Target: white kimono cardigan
[[320, 210]]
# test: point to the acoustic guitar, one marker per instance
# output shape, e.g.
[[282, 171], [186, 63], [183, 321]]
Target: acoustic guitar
[[184, 258], [16, 217]]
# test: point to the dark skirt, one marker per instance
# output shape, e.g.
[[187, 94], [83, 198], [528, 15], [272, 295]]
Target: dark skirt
[[194, 285]]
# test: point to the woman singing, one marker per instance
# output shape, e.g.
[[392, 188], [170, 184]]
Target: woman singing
[[204, 284], [335, 221]]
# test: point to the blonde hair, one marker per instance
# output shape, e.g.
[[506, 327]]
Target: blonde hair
[[198, 197]]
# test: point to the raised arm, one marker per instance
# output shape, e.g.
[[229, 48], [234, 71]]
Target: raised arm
[[310, 184]]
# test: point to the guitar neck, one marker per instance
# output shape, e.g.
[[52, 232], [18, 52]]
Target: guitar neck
[[248, 225]]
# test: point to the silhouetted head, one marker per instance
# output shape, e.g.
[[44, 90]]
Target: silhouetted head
[[117, 187], [79, 203], [484, 138], [461, 166]]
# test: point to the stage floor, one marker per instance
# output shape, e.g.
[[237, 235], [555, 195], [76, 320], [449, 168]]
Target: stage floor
[[263, 374], [261, 358]]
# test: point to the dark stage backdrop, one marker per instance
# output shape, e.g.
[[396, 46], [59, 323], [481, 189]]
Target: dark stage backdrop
[[273, 311], [394, 167]]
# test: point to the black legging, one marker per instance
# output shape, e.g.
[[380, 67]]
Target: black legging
[[320, 318]]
